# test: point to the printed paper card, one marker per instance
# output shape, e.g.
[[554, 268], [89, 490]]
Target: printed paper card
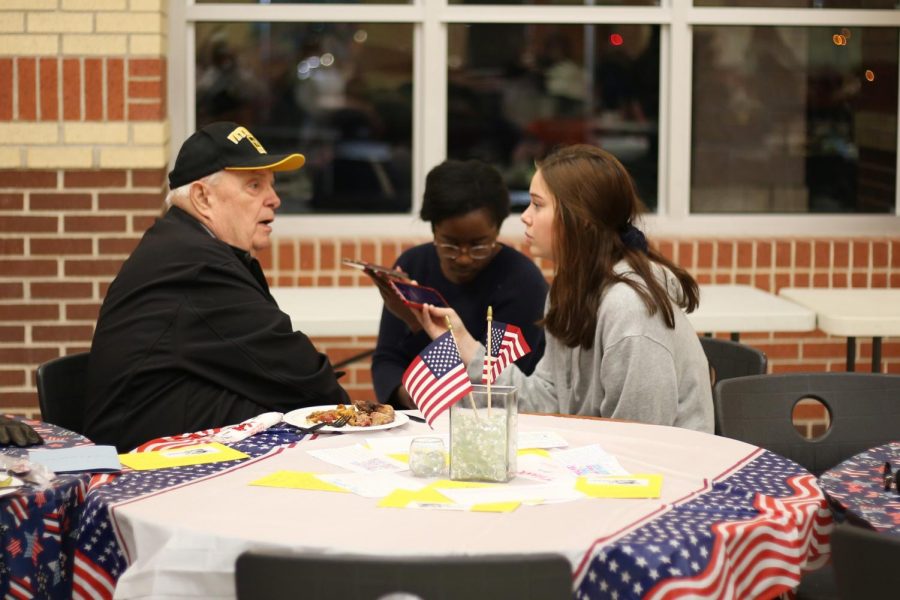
[[181, 457], [432, 498], [589, 460], [620, 486], [541, 439], [297, 480], [538, 465], [359, 459], [427, 497]]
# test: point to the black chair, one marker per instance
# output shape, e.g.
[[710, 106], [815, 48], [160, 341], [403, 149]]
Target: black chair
[[864, 562], [729, 359], [345, 577], [864, 410], [62, 388]]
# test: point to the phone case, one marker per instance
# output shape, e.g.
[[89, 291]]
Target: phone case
[[417, 295]]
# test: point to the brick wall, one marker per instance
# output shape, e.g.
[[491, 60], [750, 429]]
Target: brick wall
[[82, 175], [82, 168]]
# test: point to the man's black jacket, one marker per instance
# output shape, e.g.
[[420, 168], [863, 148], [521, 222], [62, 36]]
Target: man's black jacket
[[189, 338]]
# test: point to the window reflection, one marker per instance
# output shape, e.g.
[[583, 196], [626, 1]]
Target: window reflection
[[339, 93], [517, 91], [794, 119]]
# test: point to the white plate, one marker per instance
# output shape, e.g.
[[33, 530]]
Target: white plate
[[297, 418]]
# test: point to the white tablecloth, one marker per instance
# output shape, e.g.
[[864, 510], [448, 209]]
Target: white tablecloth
[[183, 542]]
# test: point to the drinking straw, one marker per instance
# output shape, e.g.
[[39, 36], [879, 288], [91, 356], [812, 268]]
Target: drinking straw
[[489, 358], [453, 337]]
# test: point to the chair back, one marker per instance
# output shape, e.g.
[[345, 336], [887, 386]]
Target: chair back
[[864, 562], [347, 577], [729, 359], [62, 389], [864, 411]]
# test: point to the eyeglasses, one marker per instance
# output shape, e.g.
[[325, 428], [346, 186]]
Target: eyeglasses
[[452, 251]]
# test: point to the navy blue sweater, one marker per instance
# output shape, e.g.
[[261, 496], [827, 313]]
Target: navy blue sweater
[[511, 284]]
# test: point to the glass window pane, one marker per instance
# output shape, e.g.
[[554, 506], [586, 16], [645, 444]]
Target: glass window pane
[[300, 2], [339, 93], [865, 4], [563, 2], [517, 91], [794, 119]]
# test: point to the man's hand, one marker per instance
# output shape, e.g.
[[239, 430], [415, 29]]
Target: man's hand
[[18, 433]]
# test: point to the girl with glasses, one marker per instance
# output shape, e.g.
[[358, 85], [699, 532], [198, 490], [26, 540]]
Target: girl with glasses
[[465, 202]]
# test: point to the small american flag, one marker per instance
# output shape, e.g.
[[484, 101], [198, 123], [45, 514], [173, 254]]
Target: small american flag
[[507, 344], [437, 378]]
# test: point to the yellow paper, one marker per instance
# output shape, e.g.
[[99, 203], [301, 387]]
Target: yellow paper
[[496, 507], [537, 451], [401, 498], [450, 484], [181, 457], [401, 456], [297, 480], [620, 486]]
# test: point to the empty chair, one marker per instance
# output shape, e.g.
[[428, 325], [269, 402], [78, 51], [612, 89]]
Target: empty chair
[[62, 387], [864, 562], [864, 412], [729, 359], [501, 577]]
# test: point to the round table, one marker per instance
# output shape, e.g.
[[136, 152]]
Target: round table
[[856, 488], [732, 518], [38, 527]]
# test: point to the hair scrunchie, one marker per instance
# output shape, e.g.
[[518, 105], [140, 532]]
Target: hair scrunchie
[[634, 238]]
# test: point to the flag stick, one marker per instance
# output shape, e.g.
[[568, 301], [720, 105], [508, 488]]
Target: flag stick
[[489, 357], [453, 337]]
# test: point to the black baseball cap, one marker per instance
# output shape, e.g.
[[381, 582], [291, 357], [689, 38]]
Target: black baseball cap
[[225, 146]]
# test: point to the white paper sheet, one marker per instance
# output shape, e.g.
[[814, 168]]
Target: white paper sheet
[[372, 485], [359, 459], [589, 460], [545, 469], [541, 439]]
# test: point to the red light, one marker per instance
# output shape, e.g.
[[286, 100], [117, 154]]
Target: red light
[[615, 39]]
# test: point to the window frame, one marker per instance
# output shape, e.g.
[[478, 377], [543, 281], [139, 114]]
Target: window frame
[[430, 19]]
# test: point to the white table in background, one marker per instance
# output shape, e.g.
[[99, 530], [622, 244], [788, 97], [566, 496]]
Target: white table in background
[[742, 308], [331, 311], [853, 312]]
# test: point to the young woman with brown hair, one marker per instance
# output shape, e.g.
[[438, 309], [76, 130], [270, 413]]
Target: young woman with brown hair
[[618, 343]]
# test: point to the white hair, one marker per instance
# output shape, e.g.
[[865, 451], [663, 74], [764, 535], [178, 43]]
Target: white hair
[[182, 192]]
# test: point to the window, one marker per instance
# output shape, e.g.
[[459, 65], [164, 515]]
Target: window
[[728, 114]]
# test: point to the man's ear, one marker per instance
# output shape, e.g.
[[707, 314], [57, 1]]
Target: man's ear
[[199, 197]]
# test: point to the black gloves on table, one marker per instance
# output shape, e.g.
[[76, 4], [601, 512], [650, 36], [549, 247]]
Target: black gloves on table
[[18, 433]]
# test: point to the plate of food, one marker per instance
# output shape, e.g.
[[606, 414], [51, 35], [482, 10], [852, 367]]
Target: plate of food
[[361, 416]]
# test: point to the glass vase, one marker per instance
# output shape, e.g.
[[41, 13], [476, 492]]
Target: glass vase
[[483, 442]]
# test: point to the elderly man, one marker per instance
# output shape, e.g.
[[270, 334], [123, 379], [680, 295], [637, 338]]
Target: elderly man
[[189, 336]]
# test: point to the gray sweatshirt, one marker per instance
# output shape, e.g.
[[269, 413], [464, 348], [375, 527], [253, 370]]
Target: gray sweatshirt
[[638, 368]]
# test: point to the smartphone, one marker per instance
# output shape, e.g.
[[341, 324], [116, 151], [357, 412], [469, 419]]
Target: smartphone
[[417, 295], [362, 266]]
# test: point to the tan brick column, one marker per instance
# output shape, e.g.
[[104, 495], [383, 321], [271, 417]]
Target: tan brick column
[[82, 168]]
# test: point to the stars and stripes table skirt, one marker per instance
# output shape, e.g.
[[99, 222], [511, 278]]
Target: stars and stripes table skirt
[[747, 531], [856, 486], [38, 528]]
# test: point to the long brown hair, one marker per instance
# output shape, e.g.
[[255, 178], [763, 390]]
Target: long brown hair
[[596, 202]]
